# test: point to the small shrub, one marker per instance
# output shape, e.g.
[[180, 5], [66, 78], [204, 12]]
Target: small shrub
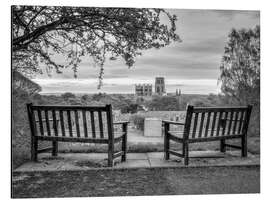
[[68, 95], [74, 101], [138, 121]]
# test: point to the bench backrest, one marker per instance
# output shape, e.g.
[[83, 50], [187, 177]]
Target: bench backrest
[[71, 121], [202, 122]]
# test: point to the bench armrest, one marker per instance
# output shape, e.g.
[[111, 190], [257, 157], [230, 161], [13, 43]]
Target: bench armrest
[[172, 122], [121, 122]]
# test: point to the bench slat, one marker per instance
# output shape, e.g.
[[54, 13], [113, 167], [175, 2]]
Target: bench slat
[[201, 124], [54, 123], [47, 123], [69, 123], [62, 123], [213, 124], [100, 124], [230, 121], [77, 123], [207, 124], [93, 124], [224, 123], [71, 108], [205, 139], [180, 134], [235, 122], [219, 123], [84, 124], [40, 122], [73, 139], [217, 109], [241, 122], [195, 125]]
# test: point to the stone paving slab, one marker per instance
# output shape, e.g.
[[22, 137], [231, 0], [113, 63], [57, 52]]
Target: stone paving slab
[[164, 163], [134, 163], [200, 154], [201, 158], [86, 161]]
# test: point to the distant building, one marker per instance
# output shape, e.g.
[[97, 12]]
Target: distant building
[[178, 97], [143, 90], [160, 86], [178, 92]]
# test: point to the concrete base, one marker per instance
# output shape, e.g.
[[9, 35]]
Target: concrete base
[[86, 161]]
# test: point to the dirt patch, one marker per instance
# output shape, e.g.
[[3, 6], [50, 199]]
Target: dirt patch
[[49, 158], [90, 164], [94, 163]]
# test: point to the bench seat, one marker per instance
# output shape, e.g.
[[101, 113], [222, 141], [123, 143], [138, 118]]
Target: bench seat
[[179, 135], [117, 138]]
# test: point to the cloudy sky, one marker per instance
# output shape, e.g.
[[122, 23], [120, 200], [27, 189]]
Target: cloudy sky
[[192, 65]]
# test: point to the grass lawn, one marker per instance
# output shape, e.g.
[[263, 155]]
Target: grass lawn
[[253, 146], [151, 181]]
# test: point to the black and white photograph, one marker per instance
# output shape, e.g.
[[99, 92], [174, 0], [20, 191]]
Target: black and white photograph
[[134, 101]]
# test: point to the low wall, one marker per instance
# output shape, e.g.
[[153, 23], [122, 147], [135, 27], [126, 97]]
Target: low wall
[[152, 127]]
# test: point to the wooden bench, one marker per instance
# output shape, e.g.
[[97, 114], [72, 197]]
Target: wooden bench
[[85, 124], [208, 124]]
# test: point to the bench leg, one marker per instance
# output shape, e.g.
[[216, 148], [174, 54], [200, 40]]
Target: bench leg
[[110, 159], [185, 146], [244, 146], [166, 141], [124, 148], [222, 145], [166, 147], [54, 148], [34, 149], [110, 153]]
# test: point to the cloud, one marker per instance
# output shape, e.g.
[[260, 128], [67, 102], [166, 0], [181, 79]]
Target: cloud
[[230, 14], [212, 46], [196, 59]]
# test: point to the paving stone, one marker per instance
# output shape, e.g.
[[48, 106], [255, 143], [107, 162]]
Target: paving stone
[[163, 163], [201, 154], [133, 163], [85, 161], [155, 155]]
